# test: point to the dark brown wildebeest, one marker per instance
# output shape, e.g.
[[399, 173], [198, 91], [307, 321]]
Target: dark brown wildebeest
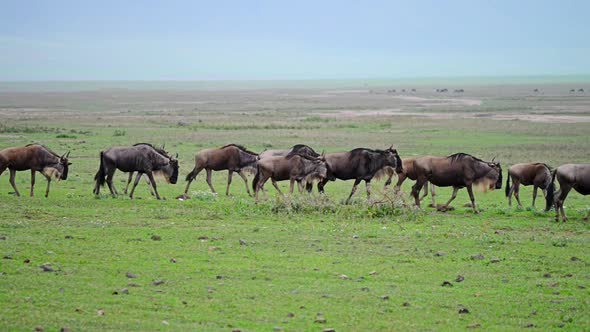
[[141, 158], [301, 149], [459, 170], [231, 157], [37, 158], [570, 176], [406, 172], [536, 174], [359, 164], [160, 151], [293, 167]]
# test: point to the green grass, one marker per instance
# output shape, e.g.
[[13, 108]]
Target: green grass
[[228, 263]]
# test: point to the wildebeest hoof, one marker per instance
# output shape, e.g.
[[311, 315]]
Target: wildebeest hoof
[[182, 197]]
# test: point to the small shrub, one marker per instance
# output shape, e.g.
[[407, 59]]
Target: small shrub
[[119, 133]]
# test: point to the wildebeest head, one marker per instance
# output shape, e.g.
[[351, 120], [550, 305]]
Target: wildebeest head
[[315, 167], [493, 178], [63, 166], [393, 158], [170, 170]]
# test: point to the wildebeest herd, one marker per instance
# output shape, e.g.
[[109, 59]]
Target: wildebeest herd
[[304, 165]]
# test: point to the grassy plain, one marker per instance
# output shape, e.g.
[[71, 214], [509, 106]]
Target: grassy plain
[[300, 263]]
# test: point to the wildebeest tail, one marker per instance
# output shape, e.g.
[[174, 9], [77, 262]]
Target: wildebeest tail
[[508, 184], [101, 175], [551, 192], [256, 177], [191, 176]]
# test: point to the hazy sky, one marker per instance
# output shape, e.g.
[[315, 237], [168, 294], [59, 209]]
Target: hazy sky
[[250, 39]]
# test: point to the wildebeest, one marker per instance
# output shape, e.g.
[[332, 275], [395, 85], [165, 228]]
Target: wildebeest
[[37, 158], [293, 167], [569, 176], [359, 164], [130, 178], [459, 170], [406, 172], [536, 174], [142, 158], [296, 149], [231, 157]]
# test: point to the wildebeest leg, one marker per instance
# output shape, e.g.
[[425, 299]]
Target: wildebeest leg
[[209, 171], [416, 188], [12, 176], [517, 192], [32, 182], [229, 176], [511, 191], [455, 190], [291, 184], [139, 174], [425, 191], [534, 194], [194, 173], [147, 181], [48, 184], [260, 186], [432, 195], [354, 186], [274, 183], [368, 185], [151, 177], [128, 182], [241, 173], [300, 186], [110, 174], [400, 180], [563, 192], [472, 198]]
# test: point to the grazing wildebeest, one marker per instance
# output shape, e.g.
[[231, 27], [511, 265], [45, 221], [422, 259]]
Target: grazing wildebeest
[[536, 174], [406, 172], [231, 157], [459, 170], [359, 164], [570, 176], [37, 158], [141, 158], [293, 167]]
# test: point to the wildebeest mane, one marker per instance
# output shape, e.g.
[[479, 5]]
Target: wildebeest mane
[[301, 149], [46, 148], [158, 150], [241, 147], [358, 151], [458, 156], [304, 156]]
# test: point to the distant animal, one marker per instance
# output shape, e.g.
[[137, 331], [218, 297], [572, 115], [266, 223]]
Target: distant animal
[[360, 164], [37, 158], [572, 90], [413, 90], [403, 90], [231, 157], [142, 158], [294, 167], [459, 170], [406, 172], [580, 90], [536, 90], [536, 174], [576, 176], [459, 91]]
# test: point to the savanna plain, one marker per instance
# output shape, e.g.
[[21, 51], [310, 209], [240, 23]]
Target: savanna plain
[[298, 263]]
